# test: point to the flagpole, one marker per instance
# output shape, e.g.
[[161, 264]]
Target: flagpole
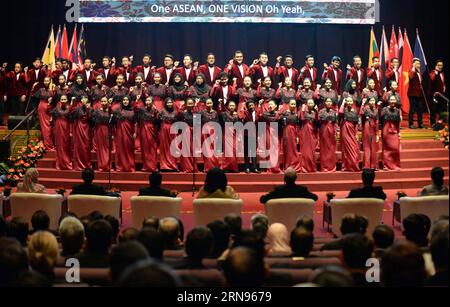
[[427, 70]]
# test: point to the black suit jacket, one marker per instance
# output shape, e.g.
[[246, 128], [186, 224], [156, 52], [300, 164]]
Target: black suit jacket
[[88, 189], [289, 191], [368, 192], [157, 191]]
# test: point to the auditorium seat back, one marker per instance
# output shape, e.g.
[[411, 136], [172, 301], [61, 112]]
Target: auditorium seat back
[[211, 209], [297, 276], [287, 211], [431, 206], [26, 204], [208, 277], [161, 207], [301, 263], [370, 208], [83, 205]]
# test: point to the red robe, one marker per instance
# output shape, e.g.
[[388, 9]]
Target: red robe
[[391, 138], [349, 142], [179, 96], [147, 72], [167, 161], [44, 116], [327, 138], [148, 132], [306, 73], [217, 92], [308, 141], [166, 78], [159, 94], [101, 120], [292, 157], [392, 75], [188, 162], [257, 74], [263, 93], [32, 78], [272, 139], [209, 155], [230, 162], [81, 138], [285, 96], [128, 74], [360, 78], [369, 138], [125, 159], [91, 81], [110, 75], [192, 74], [61, 132], [244, 96], [235, 72]]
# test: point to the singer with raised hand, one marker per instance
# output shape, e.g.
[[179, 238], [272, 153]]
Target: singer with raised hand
[[124, 136], [147, 118], [291, 128], [102, 120], [369, 118], [391, 117], [61, 131], [308, 136], [437, 85], [81, 133], [349, 121]]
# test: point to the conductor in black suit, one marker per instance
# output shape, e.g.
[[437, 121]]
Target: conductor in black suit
[[290, 189], [155, 180], [88, 188], [368, 191]]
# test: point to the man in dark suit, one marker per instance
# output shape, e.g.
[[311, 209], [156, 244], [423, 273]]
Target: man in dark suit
[[368, 191], [155, 180], [88, 188], [416, 94], [289, 190]]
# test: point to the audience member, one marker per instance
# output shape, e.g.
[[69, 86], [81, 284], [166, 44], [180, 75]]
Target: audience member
[[30, 183], [40, 221], [170, 229], [98, 241], [153, 241], [439, 252], [383, 237], [147, 273], [124, 255], [13, 261], [368, 190], [278, 239], [152, 222], [128, 235], [351, 223], [71, 236], [332, 277], [289, 190], [88, 188], [261, 229], [416, 228], [302, 242], [356, 250], [437, 186], [155, 189], [199, 242], [234, 224], [216, 186], [243, 267], [221, 238], [43, 251], [18, 228], [115, 225], [306, 222]]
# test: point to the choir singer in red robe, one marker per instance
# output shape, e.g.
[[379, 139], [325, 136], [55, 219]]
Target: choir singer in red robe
[[391, 118], [124, 136], [147, 117], [328, 120], [103, 131], [61, 131]]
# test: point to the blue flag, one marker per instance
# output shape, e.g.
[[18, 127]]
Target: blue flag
[[420, 54]]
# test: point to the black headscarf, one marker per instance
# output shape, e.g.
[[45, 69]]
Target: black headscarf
[[180, 85], [204, 88], [127, 108]]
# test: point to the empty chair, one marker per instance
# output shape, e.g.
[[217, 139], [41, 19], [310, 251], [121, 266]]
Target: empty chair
[[26, 204], [145, 206], [211, 209], [287, 211], [431, 206], [82, 205], [370, 208]]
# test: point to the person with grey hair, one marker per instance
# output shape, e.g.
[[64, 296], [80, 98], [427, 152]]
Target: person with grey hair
[[290, 189], [259, 218], [71, 236], [170, 229]]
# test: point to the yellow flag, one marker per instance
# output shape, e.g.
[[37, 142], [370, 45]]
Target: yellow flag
[[373, 48], [49, 53]]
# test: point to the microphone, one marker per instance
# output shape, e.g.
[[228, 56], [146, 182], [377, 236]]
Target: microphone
[[111, 118]]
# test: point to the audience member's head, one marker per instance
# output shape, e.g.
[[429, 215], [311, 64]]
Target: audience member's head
[[128, 234], [439, 250], [244, 268], [259, 218], [332, 277], [278, 238], [170, 229], [290, 176], [124, 255], [221, 236], [115, 225], [88, 175], [403, 265], [155, 180], [71, 235], [99, 235], [363, 224], [438, 227], [351, 223], [234, 223], [368, 177], [437, 176], [260, 229], [152, 222], [13, 260], [305, 222], [250, 239], [383, 236], [95, 216], [85, 221], [146, 274], [40, 221], [356, 250], [43, 251], [199, 242], [18, 228], [153, 241], [216, 179], [302, 242], [416, 228], [181, 229]]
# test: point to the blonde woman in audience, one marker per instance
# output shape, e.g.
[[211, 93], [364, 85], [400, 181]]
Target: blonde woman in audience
[[43, 253], [278, 239], [30, 183]]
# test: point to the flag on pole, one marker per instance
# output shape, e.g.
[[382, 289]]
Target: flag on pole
[[73, 49], [82, 54], [393, 47], [384, 54], [58, 46], [420, 54], [373, 48], [49, 53], [404, 78], [400, 45], [65, 44]]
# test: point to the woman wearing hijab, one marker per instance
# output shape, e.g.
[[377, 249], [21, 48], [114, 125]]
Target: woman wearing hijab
[[187, 159], [351, 90], [229, 118], [30, 183], [124, 136], [61, 131], [81, 134], [391, 118], [369, 119], [158, 92], [285, 94], [216, 186], [44, 95], [78, 90], [266, 93], [278, 239], [291, 124], [101, 119], [200, 92], [178, 92], [148, 131], [349, 139], [209, 117], [328, 120], [308, 137], [167, 117]]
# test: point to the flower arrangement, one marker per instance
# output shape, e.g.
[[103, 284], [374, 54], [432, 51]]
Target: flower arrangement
[[442, 135], [330, 196], [401, 194], [26, 157]]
